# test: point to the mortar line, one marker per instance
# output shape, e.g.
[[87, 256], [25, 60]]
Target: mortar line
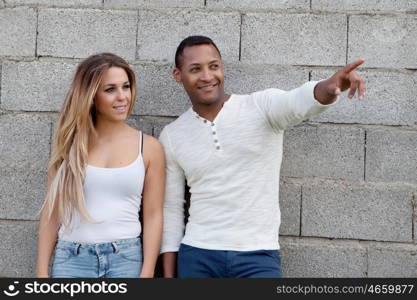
[[340, 240], [18, 220], [240, 37], [301, 210], [51, 129], [367, 261], [413, 218], [37, 32], [137, 36], [347, 38], [1, 72], [364, 158]]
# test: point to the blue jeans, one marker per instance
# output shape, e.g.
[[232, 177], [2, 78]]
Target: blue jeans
[[202, 263], [120, 259]]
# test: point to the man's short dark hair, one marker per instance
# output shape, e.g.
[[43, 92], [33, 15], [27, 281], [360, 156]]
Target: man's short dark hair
[[193, 40]]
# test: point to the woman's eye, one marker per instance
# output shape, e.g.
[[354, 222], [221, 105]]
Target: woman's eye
[[127, 86], [109, 90]]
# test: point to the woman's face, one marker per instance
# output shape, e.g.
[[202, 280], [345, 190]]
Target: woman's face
[[113, 97]]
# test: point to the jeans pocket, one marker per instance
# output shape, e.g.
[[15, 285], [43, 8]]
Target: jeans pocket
[[132, 253], [62, 255]]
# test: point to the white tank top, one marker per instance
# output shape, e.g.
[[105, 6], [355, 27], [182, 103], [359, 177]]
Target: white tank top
[[113, 197]]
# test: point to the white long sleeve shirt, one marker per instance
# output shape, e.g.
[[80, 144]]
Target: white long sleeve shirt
[[232, 167]]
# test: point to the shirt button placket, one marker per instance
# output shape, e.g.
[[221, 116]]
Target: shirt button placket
[[215, 138]]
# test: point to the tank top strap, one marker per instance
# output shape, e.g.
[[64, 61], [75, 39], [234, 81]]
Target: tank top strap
[[141, 142]]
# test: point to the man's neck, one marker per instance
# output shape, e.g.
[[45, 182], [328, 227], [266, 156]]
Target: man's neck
[[210, 111]]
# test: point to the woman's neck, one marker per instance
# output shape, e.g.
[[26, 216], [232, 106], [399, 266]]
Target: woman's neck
[[108, 129]]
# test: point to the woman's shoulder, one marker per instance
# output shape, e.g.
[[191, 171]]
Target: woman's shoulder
[[151, 142], [153, 153]]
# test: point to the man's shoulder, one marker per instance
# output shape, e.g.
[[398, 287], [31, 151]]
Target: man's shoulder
[[178, 124], [248, 101], [248, 97]]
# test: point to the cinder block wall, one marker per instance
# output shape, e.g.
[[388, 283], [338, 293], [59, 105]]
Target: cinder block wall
[[349, 176]]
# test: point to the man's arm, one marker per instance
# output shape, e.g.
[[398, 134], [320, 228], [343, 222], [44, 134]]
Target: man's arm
[[169, 261], [173, 231], [282, 109]]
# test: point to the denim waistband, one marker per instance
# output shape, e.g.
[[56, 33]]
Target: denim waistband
[[98, 247]]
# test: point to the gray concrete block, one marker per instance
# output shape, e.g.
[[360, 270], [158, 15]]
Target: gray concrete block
[[22, 192], [153, 125], [390, 100], [24, 141], [24, 153], [144, 124], [132, 121], [360, 5], [294, 39], [18, 248], [367, 212], [395, 262], [63, 3], [290, 206], [160, 32], [159, 125], [267, 4], [35, 86], [149, 125], [245, 79], [306, 259], [83, 32], [158, 93], [324, 151], [153, 4], [391, 155], [384, 41], [18, 32]]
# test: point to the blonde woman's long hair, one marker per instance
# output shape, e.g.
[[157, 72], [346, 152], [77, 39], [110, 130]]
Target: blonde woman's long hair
[[70, 144]]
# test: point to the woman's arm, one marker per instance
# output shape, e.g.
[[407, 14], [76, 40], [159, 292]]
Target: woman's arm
[[47, 236], [153, 195]]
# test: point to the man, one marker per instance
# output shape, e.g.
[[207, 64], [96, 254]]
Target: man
[[229, 150]]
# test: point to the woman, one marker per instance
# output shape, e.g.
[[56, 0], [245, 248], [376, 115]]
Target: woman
[[99, 170]]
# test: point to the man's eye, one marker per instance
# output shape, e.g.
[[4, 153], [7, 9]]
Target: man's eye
[[214, 66], [194, 70]]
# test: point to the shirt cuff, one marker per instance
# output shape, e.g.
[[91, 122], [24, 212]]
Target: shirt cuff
[[168, 249], [311, 85]]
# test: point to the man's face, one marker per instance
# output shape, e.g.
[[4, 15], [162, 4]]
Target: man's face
[[202, 74]]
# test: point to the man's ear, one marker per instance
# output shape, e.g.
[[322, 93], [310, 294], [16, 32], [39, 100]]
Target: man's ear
[[177, 74]]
